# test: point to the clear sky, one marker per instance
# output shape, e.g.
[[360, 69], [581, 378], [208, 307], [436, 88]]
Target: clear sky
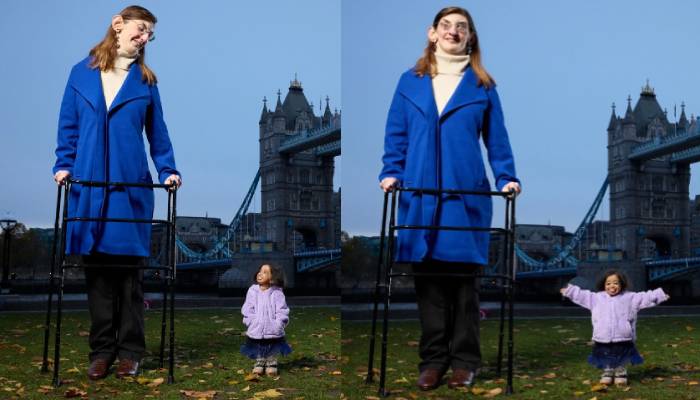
[[215, 60], [559, 66]]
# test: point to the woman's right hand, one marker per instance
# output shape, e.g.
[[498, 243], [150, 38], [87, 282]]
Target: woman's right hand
[[388, 184], [61, 176]]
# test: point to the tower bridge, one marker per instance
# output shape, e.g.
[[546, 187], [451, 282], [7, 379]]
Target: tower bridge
[[649, 231], [298, 227]]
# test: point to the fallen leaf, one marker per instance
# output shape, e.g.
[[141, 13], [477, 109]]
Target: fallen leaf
[[693, 383], [269, 393], [156, 382], [412, 343], [209, 394], [74, 392], [252, 378], [493, 392], [83, 333], [599, 388], [401, 380]]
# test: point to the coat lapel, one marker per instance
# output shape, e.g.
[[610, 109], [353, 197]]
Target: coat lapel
[[132, 88], [467, 92], [419, 91], [86, 81]]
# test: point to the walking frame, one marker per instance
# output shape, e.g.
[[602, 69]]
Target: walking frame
[[506, 277], [59, 264]]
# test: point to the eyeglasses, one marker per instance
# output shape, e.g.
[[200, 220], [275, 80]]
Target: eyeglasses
[[461, 27], [144, 30]]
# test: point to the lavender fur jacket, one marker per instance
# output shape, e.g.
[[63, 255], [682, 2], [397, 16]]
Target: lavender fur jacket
[[614, 317], [265, 313]]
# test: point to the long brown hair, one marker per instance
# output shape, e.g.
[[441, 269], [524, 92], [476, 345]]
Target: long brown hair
[[105, 52], [427, 64]]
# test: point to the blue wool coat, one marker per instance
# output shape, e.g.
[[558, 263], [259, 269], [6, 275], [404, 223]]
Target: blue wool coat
[[98, 144], [426, 150]]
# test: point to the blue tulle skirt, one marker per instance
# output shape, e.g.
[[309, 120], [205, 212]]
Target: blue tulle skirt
[[613, 355], [263, 348]]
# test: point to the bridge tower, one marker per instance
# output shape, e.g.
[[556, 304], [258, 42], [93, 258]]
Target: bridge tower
[[298, 203], [649, 209]]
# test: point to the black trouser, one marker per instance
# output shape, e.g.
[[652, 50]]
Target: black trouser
[[449, 316], [115, 300]]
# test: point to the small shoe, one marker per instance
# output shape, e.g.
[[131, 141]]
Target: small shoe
[[259, 366], [127, 368], [620, 376], [99, 368], [429, 379], [461, 377], [271, 366], [607, 377]]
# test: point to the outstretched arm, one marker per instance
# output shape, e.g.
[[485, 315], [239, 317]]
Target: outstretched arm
[[648, 299], [584, 298]]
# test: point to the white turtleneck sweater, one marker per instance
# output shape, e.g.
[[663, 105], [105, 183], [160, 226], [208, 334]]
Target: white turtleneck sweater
[[112, 80], [450, 69]]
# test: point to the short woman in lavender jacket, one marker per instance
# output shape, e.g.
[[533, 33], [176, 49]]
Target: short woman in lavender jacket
[[614, 316], [266, 314]]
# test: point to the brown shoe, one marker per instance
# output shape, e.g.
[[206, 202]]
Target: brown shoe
[[99, 368], [429, 379], [126, 368], [461, 377]]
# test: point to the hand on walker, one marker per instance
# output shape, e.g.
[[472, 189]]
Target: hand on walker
[[514, 186], [61, 177], [174, 180], [388, 184]]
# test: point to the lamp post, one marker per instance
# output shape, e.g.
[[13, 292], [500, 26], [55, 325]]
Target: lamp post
[[7, 225]]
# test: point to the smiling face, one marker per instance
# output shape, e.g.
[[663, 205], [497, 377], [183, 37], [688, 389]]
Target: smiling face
[[132, 34], [612, 285], [264, 276], [452, 34]]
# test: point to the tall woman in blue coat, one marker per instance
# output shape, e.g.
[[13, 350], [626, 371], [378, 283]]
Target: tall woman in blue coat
[[441, 110], [110, 100]]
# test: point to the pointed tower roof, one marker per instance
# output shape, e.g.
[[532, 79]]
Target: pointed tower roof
[[295, 102], [265, 111], [683, 121], [646, 109], [613, 119], [327, 114], [279, 112], [629, 114]]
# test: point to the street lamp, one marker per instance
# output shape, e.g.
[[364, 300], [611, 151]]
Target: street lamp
[[7, 225]]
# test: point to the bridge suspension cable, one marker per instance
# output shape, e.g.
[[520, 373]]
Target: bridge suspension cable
[[565, 254], [220, 248]]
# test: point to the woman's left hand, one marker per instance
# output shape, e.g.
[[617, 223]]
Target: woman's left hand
[[514, 186], [174, 180]]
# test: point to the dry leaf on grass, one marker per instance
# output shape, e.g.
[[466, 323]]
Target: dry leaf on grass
[[209, 394], [493, 392], [74, 392], [252, 378], [269, 393], [156, 382], [599, 388]]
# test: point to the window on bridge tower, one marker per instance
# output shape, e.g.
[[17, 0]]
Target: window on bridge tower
[[293, 201], [315, 204], [304, 176], [305, 200], [657, 183]]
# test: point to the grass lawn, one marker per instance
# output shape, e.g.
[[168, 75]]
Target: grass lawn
[[550, 362], [207, 359]]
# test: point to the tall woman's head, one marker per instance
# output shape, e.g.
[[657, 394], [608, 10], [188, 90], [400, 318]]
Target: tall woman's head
[[127, 35], [453, 32]]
